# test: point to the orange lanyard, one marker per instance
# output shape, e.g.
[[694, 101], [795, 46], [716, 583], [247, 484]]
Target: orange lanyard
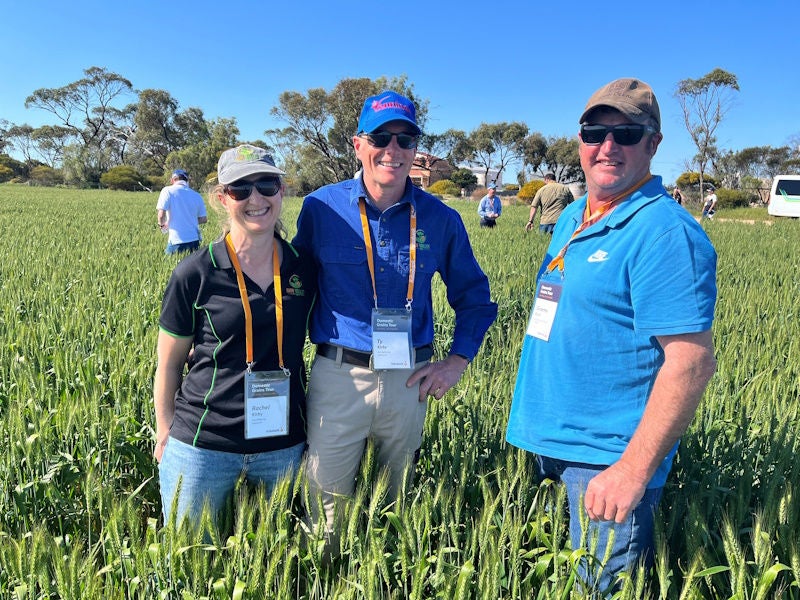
[[412, 251], [248, 315], [590, 219]]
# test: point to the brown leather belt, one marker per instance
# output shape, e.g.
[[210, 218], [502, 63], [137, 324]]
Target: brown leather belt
[[362, 359]]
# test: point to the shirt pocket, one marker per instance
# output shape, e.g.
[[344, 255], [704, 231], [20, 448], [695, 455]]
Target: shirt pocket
[[344, 275], [425, 268]]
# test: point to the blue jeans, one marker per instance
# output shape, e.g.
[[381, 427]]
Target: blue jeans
[[211, 475], [547, 227], [632, 542], [185, 247]]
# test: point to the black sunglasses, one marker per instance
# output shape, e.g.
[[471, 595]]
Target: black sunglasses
[[381, 139], [241, 190], [624, 135]]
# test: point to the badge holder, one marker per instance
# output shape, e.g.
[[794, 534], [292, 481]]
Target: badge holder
[[544, 309], [391, 338], [266, 404]]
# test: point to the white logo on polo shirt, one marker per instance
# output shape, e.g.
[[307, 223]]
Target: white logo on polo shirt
[[598, 256]]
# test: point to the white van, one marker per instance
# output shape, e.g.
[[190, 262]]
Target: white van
[[784, 198]]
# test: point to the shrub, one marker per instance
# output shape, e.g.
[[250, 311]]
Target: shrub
[[444, 187], [511, 188], [155, 182], [5, 173], [464, 178], [735, 198], [692, 179], [19, 169], [122, 177], [528, 191], [46, 176]]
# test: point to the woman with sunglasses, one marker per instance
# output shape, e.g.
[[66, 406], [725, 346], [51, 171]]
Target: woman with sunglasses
[[236, 311]]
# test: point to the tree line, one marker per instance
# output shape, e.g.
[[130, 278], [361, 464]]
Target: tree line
[[103, 127]]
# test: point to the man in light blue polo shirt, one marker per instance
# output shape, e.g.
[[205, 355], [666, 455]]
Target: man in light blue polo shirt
[[489, 208], [618, 349], [378, 241]]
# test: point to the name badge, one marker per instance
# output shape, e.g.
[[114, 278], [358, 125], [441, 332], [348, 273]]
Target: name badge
[[391, 339], [544, 310], [266, 404]]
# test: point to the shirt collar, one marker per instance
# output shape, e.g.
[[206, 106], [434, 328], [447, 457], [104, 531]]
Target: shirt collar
[[221, 260], [647, 194], [360, 191]]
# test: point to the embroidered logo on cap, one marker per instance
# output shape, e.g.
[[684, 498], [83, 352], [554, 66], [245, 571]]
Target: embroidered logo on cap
[[382, 104]]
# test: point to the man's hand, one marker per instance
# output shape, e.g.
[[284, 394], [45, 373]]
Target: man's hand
[[688, 365], [437, 377], [528, 225], [612, 494]]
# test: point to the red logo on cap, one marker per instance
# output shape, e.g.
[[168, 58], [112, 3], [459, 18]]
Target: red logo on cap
[[378, 105]]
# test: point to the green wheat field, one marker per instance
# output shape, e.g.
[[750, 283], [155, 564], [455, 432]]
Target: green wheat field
[[81, 278]]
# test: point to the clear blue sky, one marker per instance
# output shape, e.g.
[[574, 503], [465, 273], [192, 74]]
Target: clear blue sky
[[475, 61]]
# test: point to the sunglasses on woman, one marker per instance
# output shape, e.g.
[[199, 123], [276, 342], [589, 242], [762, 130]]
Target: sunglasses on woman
[[381, 139], [628, 134], [241, 190]]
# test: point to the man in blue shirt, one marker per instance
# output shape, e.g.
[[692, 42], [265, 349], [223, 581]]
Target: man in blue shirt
[[378, 241], [490, 208], [618, 349]]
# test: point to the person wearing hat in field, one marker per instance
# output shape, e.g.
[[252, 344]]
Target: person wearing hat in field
[[709, 203], [551, 199], [378, 240], [618, 348], [240, 306], [490, 208], [180, 211]]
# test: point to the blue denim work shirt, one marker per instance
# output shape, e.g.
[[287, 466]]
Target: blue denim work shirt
[[329, 228]]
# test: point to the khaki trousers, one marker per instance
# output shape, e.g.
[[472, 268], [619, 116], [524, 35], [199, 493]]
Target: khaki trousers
[[346, 405]]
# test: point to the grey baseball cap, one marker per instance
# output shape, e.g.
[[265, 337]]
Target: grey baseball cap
[[244, 161]]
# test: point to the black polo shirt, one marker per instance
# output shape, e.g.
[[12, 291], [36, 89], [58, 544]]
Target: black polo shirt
[[202, 301]]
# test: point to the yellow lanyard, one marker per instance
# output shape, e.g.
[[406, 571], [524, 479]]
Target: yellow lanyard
[[248, 315], [590, 219], [412, 251]]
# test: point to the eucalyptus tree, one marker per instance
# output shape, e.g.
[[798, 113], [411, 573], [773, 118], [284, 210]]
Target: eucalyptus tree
[[704, 103], [160, 127], [558, 154], [497, 145], [320, 126], [88, 109]]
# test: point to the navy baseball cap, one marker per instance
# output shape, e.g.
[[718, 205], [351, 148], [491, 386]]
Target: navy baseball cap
[[180, 173], [385, 107]]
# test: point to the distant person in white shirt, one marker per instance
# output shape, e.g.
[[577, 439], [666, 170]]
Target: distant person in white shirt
[[710, 204], [181, 211]]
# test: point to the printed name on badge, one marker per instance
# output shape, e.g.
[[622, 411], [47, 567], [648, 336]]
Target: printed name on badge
[[544, 310]]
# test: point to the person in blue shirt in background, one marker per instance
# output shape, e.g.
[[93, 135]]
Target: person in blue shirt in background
[[378, 241], [618, 349], [490, 208]]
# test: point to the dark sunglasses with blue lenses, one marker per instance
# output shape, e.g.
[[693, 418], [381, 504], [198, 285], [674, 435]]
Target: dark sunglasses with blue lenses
[[381, 139], [624, 135], [241, 190]]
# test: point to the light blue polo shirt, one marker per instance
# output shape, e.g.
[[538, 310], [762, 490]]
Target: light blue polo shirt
[[647, 269]]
